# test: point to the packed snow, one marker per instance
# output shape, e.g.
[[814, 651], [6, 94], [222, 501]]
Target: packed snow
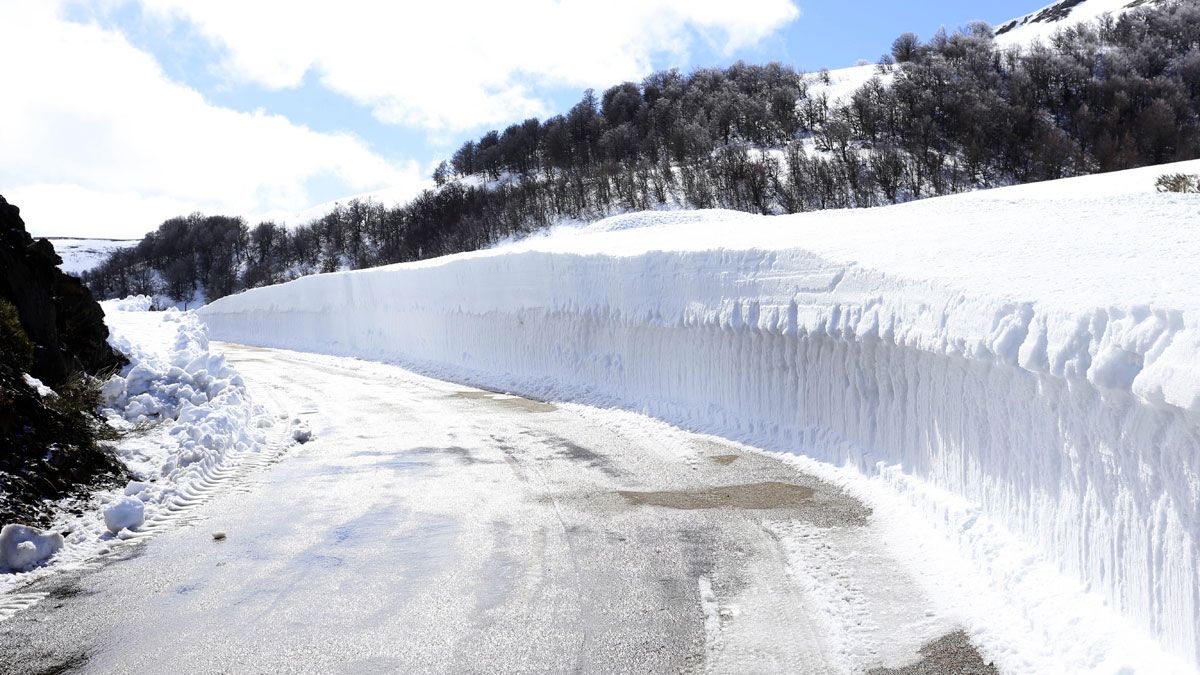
[[187, 420], [82, 255], [1022, 365]]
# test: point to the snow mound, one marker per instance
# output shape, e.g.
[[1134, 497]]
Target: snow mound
[[642, 219], [1030, 354], [23, 548], [190, 420], [133, 303], [301, 431], [173, 377]]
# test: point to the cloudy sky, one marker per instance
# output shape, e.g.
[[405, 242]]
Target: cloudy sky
[[118, 114]]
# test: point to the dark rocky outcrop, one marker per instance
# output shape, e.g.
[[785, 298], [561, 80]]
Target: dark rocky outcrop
[[58, 313], [50, 327]]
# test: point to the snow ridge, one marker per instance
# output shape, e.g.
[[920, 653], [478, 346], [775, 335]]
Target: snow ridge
[[944, 341]]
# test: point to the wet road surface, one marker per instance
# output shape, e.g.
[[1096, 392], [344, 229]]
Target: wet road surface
[[431, 527]]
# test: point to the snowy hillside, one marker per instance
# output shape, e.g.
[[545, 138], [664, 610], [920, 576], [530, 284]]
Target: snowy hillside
[[1041, 24], [1022, 361], [841, 83], [81, 255]]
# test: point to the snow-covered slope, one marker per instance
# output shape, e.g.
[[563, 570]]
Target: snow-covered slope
[[1041, 24], [1031, 353], [81, 255], [839, 85]]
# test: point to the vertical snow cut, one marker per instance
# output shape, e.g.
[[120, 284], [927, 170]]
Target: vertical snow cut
[[1033, 350]]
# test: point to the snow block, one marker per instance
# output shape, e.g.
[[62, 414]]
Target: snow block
[[127, 513], [22, 548]]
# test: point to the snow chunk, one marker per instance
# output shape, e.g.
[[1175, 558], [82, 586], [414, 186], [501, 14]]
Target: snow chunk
[[22, 548], [127, 513], [301, 432], [37, 385]]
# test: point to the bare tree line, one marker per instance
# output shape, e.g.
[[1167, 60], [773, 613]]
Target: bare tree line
[[950, 114]]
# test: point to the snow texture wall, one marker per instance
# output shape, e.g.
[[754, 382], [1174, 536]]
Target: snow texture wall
[[1077, 427]]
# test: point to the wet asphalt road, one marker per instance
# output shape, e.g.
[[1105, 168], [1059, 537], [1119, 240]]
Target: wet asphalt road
[[430, 527]]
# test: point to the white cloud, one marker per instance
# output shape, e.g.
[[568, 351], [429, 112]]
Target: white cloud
[[458, 64], [96, 141]]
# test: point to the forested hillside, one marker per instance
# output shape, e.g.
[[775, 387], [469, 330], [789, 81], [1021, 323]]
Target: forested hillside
[[954, 113]]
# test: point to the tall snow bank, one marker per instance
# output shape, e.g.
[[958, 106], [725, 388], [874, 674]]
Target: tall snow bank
[[1034, 350]]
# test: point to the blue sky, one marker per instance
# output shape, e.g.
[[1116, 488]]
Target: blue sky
[[265, 108]]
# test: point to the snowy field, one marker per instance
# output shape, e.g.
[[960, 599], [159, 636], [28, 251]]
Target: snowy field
[[82, 255], [1019, 366]]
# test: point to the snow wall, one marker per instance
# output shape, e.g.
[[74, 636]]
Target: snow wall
[[1077, 430]]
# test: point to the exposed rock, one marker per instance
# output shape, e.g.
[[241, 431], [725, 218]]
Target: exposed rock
[[51, 328], [58, 313]]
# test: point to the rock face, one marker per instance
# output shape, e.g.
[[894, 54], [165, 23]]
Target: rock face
[[52, 328], [57, 311]]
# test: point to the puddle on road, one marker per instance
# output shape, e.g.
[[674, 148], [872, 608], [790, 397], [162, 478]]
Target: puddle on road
[[589, 458], [506, 401], [770, 495], [951, 653], [463, 455], [723, 460]]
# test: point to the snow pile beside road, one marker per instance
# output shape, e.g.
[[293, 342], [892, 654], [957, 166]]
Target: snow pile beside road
[[1031, 354], [188, 420], [174, 378]]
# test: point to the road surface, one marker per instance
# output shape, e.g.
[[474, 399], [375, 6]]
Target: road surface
[[432, 527]]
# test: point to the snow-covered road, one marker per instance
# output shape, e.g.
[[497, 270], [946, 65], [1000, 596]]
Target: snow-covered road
[[427, 526]]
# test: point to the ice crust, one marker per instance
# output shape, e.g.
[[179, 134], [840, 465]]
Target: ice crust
[[1032, 350]]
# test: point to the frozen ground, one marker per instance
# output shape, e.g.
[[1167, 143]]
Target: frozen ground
[[1021, 366], [427, 526]]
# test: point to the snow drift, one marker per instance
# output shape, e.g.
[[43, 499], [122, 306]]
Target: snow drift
[[1034, 350]]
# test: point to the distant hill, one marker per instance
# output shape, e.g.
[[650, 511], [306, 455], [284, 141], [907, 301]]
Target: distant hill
[[82, 255], [1065, 13]]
